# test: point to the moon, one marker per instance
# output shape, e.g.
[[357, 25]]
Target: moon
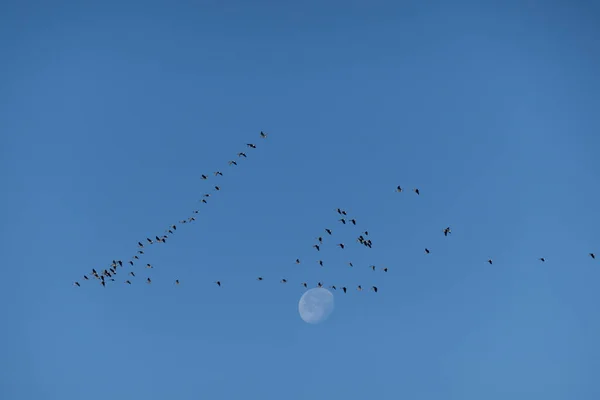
[[315, 305]]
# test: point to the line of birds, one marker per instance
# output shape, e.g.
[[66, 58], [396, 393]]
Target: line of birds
[[109, 273]]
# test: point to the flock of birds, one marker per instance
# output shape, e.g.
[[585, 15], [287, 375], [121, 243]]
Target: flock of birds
[[116, 267]]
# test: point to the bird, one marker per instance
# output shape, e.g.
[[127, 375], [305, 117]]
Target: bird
[[218, 283], [259, 278], [447, 231], [398, 189], [489, 261], [297, 261], [353, 221], [344, 289], [140, 252], [149, 240], [328, 231], [359, 288], [385, 269], [140, 244], [342, 220], [350, 264], [341, 245], [373, 267], [321, 263], [77, 284], [332, 287], [217, 188], [132, 274], [217, 173], [319, 284], [231, 162], [131, 263], [366, 233], [252, 146], [426, 251], [263, 135], [339, 211], [593, 255], [316, 246], [284, 281], [542, 259], [304, 284], [374, 288], [128, 282], [203, 177], [242, 154], [320, 239], [86, 278], [177, 281], [149, 266], [149, 280], [416, 191]]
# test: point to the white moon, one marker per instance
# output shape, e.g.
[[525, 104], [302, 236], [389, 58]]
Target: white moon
[[315, 305]]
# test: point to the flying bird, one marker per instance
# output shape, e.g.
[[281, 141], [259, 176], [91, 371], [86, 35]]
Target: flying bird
[[177, 281], [447, 231], [263, 135], [416, 191], [489, 261], [398, 189], [319, 284], [321, 263], [593, 255], [350, 264], [242, 154], [217, 173], [259, 278], [359, 288], [332, 287], [217, 188], [426, 251], [373, 267], [297, 261], [353, 221], [204, 177], [320, 239], [385, 269], [344, 289], [316, 246], [341, 245], [231, 162], [149, 280], [252, 146], [218, 283], [328, 231], [542, 259], [342, 220], [77, 284], [374, 288], [128, 282], [304, 284], [284, 281]]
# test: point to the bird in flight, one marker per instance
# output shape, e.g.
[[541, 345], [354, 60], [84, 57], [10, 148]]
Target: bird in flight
[[218, 283], [344, 289], [542, 259], [416, 191], [447, 231], [489, 261], [242, 154], [231, 162], [398, 189], [353, 221], [203, 176], [426, 251], [328, 231], [263, 135], [177, 281], [259, 278], [252, 146], [342, 220], [341, 245], [374, 288], [316, 246], [593, 255]]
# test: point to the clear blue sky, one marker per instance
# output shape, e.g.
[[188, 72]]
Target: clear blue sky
[[110, 112]]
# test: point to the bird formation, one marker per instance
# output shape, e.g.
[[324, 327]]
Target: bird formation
[[103, 275]]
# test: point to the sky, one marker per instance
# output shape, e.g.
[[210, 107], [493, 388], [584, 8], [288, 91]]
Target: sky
[[111, 111]]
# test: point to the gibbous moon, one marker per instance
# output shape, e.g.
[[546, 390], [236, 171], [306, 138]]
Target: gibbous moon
[[315, 305]]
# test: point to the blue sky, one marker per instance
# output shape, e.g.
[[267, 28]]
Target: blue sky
[[109, 113]]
